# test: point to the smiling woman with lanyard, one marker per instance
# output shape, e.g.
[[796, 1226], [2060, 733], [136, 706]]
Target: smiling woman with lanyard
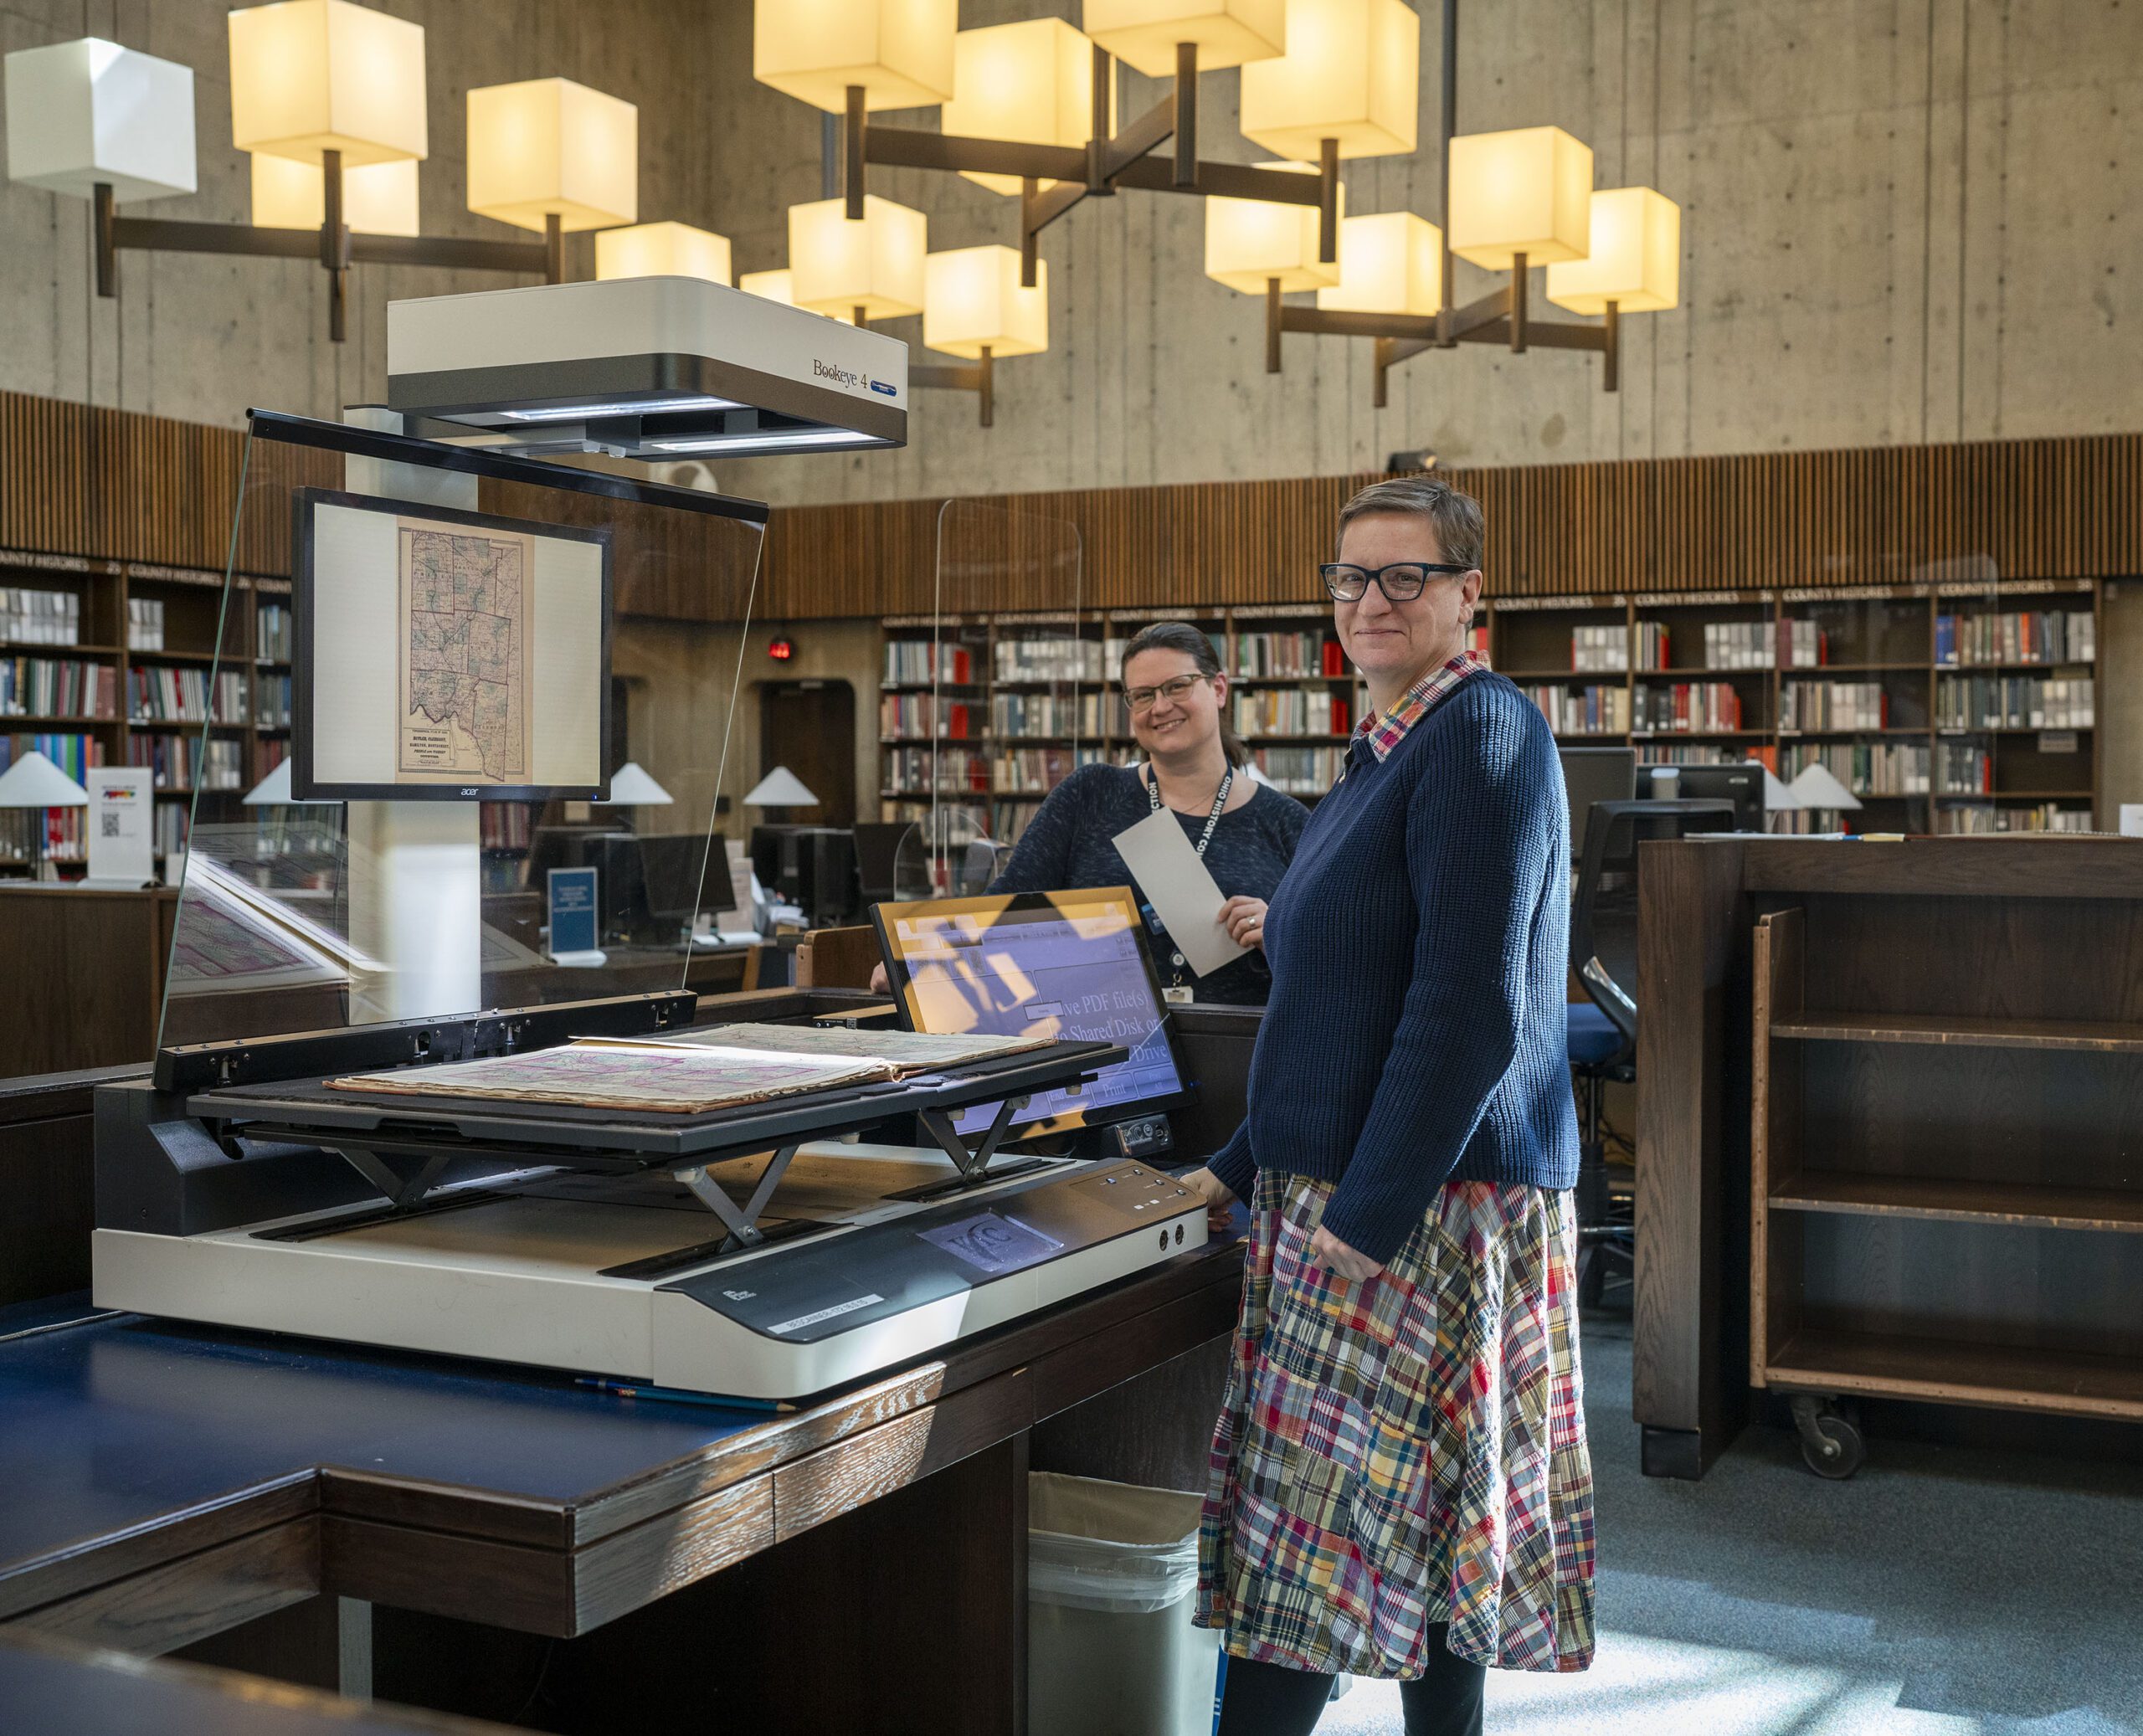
[[1243, 831]]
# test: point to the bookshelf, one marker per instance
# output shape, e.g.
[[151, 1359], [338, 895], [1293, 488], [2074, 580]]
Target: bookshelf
[[130, 652]]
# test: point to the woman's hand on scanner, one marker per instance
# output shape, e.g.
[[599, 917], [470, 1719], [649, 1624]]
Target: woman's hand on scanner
[[881, 984], [1244, 918], [1219, 1201]]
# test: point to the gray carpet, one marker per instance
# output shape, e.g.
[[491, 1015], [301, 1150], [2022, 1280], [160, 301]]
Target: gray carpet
[[1942, 1591]]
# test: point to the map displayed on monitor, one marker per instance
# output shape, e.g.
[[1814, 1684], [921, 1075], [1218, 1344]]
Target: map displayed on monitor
[[444, 654]]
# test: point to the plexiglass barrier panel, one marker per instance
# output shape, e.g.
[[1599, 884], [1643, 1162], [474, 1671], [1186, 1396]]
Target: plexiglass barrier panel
[[462, 743], [991, 701]]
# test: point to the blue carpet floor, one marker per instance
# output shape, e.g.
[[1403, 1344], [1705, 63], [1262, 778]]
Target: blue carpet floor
[[1942, 1591]]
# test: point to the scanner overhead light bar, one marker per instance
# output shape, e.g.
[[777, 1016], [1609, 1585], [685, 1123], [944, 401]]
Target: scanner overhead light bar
[[644, 368]]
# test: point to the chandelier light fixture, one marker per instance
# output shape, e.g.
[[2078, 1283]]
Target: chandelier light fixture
[[327, 97]]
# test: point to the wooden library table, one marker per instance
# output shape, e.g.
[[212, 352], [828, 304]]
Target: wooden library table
[[1959, 1049]]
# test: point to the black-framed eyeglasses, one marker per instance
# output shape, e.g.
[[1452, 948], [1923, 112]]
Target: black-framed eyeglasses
[[1400, 582], [1141, 699]]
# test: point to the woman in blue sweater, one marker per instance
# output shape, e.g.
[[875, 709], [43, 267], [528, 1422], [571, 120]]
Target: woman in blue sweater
[[1401, 1486]]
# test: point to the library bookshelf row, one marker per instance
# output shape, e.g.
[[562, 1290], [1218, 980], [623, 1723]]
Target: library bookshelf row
[[1943, 706], [106, 663]]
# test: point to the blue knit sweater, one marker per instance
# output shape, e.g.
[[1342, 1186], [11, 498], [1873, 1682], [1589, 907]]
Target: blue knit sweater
[[1419, 949]]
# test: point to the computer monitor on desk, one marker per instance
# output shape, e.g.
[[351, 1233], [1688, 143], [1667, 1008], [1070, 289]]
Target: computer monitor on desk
[[1071, 965], [1739, 782], [1595, 774]]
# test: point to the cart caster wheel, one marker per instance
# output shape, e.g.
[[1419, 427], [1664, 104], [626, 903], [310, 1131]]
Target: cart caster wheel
[[1830, 1442]]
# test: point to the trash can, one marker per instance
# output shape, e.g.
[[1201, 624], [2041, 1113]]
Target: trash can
[[1110, 1651]]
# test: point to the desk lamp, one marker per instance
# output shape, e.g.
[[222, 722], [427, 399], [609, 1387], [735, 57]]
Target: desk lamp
[[1817, 788], [630, 787], [780, 788], [34, 783]]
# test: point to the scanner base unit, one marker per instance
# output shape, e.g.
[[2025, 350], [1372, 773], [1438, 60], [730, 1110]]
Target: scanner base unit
[[875, 1256]]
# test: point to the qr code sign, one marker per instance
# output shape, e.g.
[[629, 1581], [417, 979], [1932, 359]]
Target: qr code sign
[[110, 825]]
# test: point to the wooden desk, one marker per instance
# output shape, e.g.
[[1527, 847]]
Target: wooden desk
[[86, 972], [2021, 926]]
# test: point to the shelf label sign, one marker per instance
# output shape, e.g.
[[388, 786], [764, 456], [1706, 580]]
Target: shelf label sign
[[572, 911]]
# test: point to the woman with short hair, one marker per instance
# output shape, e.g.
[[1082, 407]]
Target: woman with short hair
[[1401, 1485]]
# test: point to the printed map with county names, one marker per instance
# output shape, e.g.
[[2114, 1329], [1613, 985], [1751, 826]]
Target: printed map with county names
[[465, 654]]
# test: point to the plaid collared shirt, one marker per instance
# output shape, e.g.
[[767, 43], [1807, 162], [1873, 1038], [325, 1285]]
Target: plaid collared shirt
[[1383, 734]]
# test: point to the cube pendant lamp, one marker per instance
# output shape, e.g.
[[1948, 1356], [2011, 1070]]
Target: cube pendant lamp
[[380, 198], [1635, 260], [973, 301], [550, 147], [1352, 74], [1145, 33], [90, 113], [899, 52], [1032, 82], [662, 249], [1525, 193], [872, 269], [309, 76], [1253, 243], [1390, 262]]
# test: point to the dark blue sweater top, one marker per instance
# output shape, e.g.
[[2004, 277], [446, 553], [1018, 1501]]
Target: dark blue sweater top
[[1419, 947]]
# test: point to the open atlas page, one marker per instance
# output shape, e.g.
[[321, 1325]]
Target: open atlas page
[[626, 1075], [904, 1052]]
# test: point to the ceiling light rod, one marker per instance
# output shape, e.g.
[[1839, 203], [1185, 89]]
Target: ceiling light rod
[[978, 376], [334, 245], [1097, 168]]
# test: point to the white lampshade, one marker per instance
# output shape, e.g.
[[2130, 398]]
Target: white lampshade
[[662, 249], [1635, 260], [630, 787], [1817, 787], [89, 110], [377, 199], [1352, 72], [549, 147], [778, 286], [1391, 262], [973, 300], [1248, 241], [314, 75], [1527, 191], [899, 51], [33, 781], [780, 788], [1779, 797], [1143, 33], [1032, 82], [836, 266]]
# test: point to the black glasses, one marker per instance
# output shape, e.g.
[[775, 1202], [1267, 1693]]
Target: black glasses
[[1141, 699], [1400, 582]]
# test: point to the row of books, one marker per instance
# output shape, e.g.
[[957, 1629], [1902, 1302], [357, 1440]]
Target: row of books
[[1300, 771], [52, 834], [271, 697], [73, 754], [274, 641], [1867, 768], [57, 687], [1583, 711], [2019, 636], [919, 662], [1683, 754], [145, 623], [907, 716], [503, 826], [2014, 702], [1049, 659], [1833, 705], [1036, 770], [1689, 706], [169, 826], [39, 618], [1291, 711], [182, 762], [913, 769], [2043, 817], [1056, 714], [1964, 768], [182, 695], [1605, 651], [1286, 656], [1782, 644]]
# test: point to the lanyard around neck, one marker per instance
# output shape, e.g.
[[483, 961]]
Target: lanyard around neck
[[1212, 819]]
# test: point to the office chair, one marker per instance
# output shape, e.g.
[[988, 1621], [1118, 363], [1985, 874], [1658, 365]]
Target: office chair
[[1602, 1036]]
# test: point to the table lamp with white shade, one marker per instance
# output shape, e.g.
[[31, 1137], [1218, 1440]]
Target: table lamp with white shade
[[34, 783], [780, 788], [1817, 788], [631, 787]]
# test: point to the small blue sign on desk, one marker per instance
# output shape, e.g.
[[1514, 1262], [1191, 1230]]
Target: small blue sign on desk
[[573, 911]]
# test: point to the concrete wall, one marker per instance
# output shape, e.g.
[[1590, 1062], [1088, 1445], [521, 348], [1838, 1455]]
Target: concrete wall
[[1903, 224]]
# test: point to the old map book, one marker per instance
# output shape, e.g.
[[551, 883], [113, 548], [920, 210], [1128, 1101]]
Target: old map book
[[465, 654], [626, 1076], [904, 1052]]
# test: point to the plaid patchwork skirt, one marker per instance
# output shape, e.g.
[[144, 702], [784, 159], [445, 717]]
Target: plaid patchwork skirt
[[1407, 1452]]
